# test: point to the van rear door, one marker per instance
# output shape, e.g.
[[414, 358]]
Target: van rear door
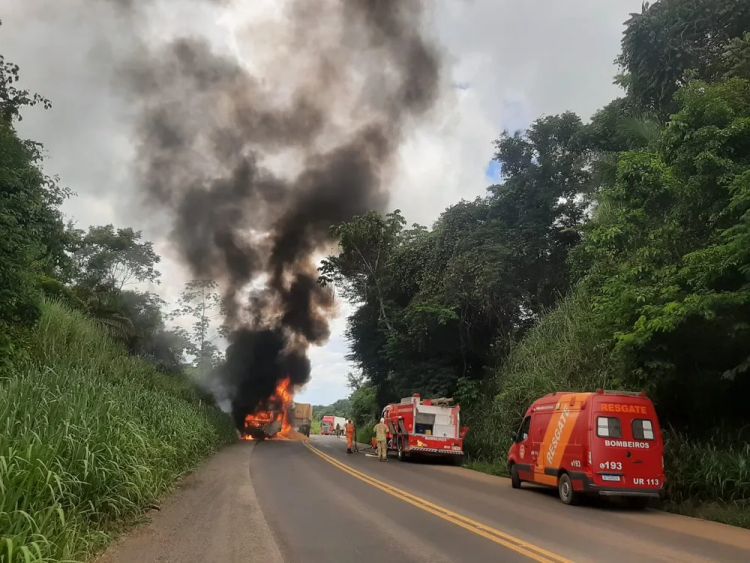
[[626, 447]]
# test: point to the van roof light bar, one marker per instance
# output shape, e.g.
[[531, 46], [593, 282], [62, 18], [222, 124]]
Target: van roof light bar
[[628, 393]]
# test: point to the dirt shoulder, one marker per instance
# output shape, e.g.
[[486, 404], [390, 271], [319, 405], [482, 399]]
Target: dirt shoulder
[[212, 516]]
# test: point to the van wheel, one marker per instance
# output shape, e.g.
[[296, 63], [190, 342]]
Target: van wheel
[[565, 490], [515, 479]]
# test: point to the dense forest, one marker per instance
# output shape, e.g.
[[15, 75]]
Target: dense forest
[[614, 253]]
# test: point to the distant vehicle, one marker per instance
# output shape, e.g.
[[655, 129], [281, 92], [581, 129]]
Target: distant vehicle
[[430, 427], [606, 443], [329, 424], [302, 418]]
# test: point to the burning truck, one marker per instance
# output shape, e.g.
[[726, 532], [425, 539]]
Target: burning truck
[[273, 417]]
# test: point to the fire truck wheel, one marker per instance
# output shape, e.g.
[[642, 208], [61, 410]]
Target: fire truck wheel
[[565, 490], [458, 460], [515, 479]]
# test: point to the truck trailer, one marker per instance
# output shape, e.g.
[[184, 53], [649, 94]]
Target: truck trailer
[[302, 418]]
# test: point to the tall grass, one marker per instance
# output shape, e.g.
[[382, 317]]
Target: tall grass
[[708, 473], [366, 432], [561, 353], [89, 438], [709, 476]]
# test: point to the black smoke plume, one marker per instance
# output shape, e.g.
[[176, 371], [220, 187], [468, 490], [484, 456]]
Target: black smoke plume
[[254, 165]]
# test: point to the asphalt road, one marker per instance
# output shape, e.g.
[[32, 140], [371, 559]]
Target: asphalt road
[[284, 500]]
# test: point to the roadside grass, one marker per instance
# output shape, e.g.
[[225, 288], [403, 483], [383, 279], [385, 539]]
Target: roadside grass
[[315, 427], [365, 433], [489, 467], [89, 439], [709, 478]]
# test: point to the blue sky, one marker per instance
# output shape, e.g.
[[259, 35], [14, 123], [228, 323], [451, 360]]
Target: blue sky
[[493, 172]]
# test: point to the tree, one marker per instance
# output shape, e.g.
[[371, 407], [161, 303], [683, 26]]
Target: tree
[[339, 408], [147, 336], [437, 305], [360, 267], [364, 409], [202, 303], [12, 98], [29, 215], [110, 259], [669, 256], [673, 41]]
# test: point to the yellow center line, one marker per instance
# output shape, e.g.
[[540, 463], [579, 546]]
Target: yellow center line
[[506, 540]]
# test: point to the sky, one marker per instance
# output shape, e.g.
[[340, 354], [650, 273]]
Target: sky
[[505, 63]]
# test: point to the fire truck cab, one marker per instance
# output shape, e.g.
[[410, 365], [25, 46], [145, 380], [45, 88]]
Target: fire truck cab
[[430, 427], [605, 443]]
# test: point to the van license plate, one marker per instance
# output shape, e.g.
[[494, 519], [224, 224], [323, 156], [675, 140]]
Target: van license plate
[[610, 477]]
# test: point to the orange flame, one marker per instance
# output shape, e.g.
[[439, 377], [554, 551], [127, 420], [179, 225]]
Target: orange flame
[[278, 406]]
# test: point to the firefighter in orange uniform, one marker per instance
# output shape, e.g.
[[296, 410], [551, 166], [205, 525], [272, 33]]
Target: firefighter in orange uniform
[[349, 436]]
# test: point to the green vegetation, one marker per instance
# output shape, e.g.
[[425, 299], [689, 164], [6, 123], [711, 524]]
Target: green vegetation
[[614, 254], [90, 438], [339, 408], [315, 427]]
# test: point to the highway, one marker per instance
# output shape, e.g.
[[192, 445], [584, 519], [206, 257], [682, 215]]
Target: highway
[[311, 502]]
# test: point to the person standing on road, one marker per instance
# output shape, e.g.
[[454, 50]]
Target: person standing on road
[[381, 435], [349, 436]]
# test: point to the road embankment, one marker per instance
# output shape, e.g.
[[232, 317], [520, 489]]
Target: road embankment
[[90, 437]]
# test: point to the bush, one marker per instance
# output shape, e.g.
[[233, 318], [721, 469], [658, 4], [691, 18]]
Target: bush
[[561, 353], [716, 467], [366, 432], [89, 438]]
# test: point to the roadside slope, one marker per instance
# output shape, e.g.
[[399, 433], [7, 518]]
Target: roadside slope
[[89, 438]]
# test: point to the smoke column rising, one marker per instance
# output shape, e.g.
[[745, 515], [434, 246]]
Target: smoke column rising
[[254, 164]]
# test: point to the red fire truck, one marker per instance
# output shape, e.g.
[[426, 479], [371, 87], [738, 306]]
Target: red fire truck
[[605, 443], [430, 428], [329, 424]]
